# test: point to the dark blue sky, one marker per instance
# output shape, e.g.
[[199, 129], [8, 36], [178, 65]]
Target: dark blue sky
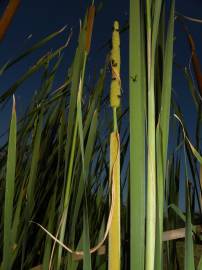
[[40, 17], [192, 8]]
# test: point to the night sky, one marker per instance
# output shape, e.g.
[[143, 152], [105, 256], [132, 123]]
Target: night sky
[[37, 18]]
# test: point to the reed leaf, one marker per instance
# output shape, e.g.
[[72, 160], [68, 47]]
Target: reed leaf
[[137, 141], [9, 192], [162, 134]]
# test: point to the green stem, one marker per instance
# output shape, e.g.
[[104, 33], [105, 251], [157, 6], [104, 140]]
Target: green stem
[[151, 178], [69, 176], [115, 119]]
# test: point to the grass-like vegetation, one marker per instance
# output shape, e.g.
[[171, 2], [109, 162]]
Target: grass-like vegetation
[[80, 188]]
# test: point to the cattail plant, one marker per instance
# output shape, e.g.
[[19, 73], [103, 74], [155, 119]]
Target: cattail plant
[[7, 16], [115, 93], [54, 169], [10, 193]]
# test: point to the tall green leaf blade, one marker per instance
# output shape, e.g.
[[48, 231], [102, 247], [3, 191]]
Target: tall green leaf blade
[[34, 163], [189, 248], [162, 135], [78, 70], [16, 219], [31, 187], [87, 157], [167, 85], [137, 141], [47, 248], [9, 192], [86, 241], [86, 238]]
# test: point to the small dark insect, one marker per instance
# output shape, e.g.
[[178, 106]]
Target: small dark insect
[[134, 78]]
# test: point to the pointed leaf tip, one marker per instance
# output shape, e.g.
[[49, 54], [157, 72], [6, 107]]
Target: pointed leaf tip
[[14, 105]]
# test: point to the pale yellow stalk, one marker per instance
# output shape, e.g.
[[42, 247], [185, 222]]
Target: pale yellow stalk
[[114, 262]]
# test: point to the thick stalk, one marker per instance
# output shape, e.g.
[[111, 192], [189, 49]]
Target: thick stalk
[[151, 171]]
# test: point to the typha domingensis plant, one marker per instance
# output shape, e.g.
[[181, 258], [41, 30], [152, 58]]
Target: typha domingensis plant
[[63, 171], [7, 16], [115, 94]]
